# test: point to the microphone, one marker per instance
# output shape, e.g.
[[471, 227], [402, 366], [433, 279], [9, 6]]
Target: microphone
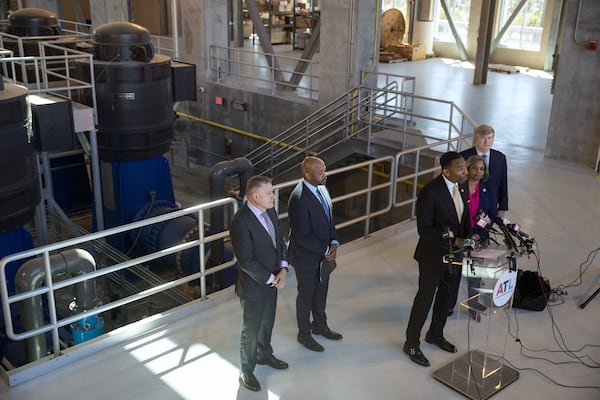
[[469, 244], [515, 229], [508, 239], [483, 221], [448, 234]]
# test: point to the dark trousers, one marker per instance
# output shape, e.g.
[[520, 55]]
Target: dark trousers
[[258, 318], [433, 288], [312, 298]]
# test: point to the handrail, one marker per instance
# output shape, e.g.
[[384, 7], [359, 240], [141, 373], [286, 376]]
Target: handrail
[[368, 190], [88, 241], [363, 112], [253, 69]]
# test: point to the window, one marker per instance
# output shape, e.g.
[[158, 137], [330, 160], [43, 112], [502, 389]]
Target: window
[[399, 4], [459, 12], [525, 31]]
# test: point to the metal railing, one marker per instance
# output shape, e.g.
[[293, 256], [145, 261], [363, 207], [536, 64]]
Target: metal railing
[[368, 114], [76, 28], [96, 244], [366, 188], [274, 73], [54, 61]]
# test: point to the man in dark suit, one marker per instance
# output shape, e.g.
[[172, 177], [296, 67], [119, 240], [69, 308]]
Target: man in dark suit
[[442, 218], [496, 162], [312, 238], [262, 269]]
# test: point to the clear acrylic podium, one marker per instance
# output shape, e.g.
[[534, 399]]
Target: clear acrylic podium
[[480, 373]]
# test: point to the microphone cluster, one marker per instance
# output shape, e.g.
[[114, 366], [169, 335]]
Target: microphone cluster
[[512, 232]]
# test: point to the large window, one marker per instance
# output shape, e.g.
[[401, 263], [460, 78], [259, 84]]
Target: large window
[[459, 11], [525, 31], [399, 4]]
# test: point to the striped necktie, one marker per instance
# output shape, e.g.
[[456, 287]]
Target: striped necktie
[[323, 203], [270, 226]]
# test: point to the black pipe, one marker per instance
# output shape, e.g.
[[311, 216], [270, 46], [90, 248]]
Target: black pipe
[[218, 173]]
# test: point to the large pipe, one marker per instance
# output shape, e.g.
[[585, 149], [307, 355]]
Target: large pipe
[[218, 172], [32, 275]]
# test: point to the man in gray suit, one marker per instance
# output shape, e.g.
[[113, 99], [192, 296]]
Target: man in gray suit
[[262, 269], [313, 238]]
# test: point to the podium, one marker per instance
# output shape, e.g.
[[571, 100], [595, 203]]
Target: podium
[[480, 373]]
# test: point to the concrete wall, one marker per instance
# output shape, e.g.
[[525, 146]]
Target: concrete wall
[[348, 44], [263, 117], [105, 11], [203, 23], [574, 131]]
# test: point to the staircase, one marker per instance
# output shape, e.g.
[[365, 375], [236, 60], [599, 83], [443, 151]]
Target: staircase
[[368, 121]]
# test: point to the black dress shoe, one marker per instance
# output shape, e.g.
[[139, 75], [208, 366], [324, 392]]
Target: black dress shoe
[[272, 362], [249, 380], [416, 355], [441, 343], [310, 344], [327, 333]]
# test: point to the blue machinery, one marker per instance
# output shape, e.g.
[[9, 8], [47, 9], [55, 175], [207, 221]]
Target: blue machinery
[[135, 92]]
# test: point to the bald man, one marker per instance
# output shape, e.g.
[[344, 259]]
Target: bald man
[[313, 238]]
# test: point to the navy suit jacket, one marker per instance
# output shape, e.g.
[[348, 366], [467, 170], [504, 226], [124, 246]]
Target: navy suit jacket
[[311, 232], [435, 212], [497, 174], [256, 255]]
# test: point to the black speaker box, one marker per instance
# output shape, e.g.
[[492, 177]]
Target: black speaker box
[[184, 81], [52, 122]]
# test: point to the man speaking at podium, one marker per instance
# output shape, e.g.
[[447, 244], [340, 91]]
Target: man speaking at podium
[[442, 218]]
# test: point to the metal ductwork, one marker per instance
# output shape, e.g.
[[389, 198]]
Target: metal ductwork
[[218, 173], [32, 276]]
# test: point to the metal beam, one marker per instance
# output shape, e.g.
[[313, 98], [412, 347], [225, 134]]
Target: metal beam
[[307, 54], [506, 26], [264, 39], [482, 57], [237, 16], [461, 47]]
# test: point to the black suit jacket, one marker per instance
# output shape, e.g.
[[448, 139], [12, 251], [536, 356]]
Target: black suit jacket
[[498, 174], [311, 230], [435, 212], [256, 255]]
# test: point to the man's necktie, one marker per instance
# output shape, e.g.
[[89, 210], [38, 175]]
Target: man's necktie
[[323, 203], [457, 200], [270, 227], [485, 160]]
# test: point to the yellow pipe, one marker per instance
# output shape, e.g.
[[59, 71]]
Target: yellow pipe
[[240, 132]]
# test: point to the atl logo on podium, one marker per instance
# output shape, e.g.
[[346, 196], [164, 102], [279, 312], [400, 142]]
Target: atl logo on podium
[[504, 288]]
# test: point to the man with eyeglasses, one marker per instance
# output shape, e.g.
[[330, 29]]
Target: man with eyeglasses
[[496, 163]]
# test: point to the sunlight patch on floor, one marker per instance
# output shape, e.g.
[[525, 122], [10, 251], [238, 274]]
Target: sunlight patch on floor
[[193, 372]]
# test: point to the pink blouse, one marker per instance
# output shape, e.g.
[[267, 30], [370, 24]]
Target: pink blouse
[[473, 203]]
